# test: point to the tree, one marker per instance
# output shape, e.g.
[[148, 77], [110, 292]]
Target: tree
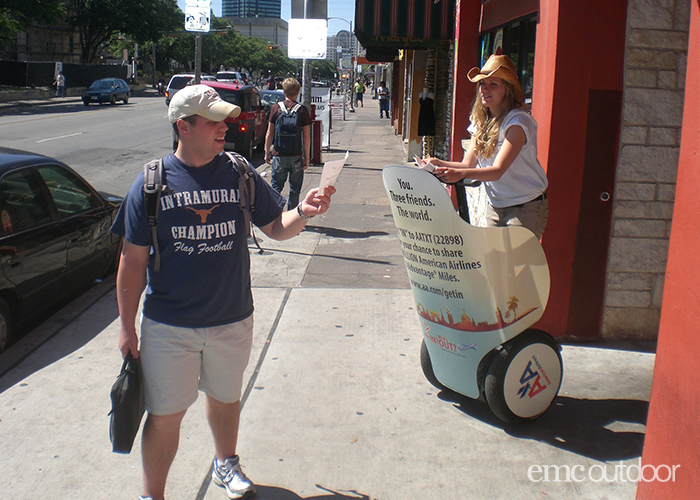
[[142, 20], [323, 69], [16, 15]]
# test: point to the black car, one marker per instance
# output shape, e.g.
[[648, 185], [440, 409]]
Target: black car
[[108, 90], [54, 237]]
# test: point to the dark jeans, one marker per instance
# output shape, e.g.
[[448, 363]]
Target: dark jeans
[[292, 166], [383, 107]]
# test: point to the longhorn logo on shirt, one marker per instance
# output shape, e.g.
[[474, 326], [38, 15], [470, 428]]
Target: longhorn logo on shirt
[[203, 214]]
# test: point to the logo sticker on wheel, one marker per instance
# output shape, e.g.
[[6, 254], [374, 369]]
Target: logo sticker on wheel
[[532, 382]]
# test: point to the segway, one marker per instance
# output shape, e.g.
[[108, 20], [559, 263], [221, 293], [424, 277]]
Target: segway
[[478, 291]]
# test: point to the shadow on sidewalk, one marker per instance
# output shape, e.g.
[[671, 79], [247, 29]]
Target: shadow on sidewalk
[[50, 338], [334, 232], [275, 493], [582, 426]]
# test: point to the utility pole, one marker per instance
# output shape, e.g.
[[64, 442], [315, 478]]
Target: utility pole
[[198, 58], [306, 65], [351, 78], [154, 64]]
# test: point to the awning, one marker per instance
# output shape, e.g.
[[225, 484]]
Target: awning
[[381, 54], [405, 24]]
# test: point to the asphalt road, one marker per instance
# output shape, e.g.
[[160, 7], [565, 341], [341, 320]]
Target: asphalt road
[[108, 145]]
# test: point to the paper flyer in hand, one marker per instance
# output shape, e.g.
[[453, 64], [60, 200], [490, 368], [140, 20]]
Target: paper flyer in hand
[[423, 165], [331, 172]]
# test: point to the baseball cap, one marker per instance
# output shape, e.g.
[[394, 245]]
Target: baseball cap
[[200, 100]]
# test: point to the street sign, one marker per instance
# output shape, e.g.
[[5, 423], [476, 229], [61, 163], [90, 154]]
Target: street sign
[[307, 38], [197, 18]]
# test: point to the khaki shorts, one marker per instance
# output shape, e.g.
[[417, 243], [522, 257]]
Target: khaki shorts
[[532, 215], [178, 362]]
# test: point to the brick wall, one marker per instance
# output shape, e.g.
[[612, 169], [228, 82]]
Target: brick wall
[[655, 61]]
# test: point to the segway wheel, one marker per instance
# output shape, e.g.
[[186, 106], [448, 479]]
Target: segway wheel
[[427, 367], [524, 377]]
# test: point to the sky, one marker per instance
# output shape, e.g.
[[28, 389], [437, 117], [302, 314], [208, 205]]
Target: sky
[[336, 8]]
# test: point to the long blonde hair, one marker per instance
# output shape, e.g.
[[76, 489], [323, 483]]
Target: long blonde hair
[[487, 125]]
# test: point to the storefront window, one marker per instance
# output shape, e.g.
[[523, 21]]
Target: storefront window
[[517, 40]]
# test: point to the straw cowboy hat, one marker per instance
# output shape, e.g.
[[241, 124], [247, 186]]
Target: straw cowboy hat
[[499, 66]]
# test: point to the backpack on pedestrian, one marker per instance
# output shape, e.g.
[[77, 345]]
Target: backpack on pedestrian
[[288, 130], [155, 184]]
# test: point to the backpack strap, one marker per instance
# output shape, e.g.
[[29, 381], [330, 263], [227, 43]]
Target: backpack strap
[[283, 107], [295, 108], [246, 192], [153, 188]]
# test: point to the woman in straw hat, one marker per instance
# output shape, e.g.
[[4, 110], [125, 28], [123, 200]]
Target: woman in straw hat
[[502, 152]]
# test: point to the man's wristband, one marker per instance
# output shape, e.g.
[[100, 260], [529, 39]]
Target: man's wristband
[[302, 214]]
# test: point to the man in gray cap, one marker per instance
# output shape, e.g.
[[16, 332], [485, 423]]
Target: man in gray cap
[[197, 323]]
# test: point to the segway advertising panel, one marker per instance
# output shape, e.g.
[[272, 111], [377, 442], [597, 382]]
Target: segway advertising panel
[[476, 291]]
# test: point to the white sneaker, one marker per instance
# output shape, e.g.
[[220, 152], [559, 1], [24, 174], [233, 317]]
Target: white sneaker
[[230, 476]]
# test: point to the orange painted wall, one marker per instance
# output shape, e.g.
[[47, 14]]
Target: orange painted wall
[[579, 47], [468, 13], [673, 433]]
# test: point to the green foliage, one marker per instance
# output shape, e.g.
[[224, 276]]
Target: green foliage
[[223, 46], [16, 15], [141, 20], [323, 69]]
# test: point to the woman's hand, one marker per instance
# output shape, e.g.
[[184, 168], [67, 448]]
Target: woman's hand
[[450, 175], [434, 161]]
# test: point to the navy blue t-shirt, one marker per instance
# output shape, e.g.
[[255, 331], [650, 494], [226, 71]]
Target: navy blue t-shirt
[[204, 277]]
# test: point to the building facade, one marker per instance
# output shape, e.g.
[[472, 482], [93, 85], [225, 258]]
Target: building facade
[[273, 30], [348, 48], [251, 8], [609, 115]]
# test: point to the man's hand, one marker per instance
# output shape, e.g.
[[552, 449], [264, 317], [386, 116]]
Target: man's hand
[[306, 164], [268, 157], [315, 204], [289, 224], [128, 341]]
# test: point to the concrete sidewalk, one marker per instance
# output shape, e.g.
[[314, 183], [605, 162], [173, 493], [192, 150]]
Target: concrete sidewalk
[[335, 404]]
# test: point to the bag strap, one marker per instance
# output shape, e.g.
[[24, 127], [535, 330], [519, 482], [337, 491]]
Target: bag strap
[[295, 108], [153, 187], [283, 107], [246, 193]]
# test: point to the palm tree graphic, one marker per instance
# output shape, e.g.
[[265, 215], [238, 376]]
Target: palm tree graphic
[[512, 307]]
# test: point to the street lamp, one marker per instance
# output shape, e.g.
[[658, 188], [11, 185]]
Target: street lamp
[[352, 58]]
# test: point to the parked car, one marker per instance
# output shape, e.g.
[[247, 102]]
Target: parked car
[[54, 237], [231, 77], [247, 130], [179, 81], [270, 97], [108, 90]]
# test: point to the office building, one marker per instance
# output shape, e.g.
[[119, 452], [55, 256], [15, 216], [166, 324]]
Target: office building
[[252, 8]]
